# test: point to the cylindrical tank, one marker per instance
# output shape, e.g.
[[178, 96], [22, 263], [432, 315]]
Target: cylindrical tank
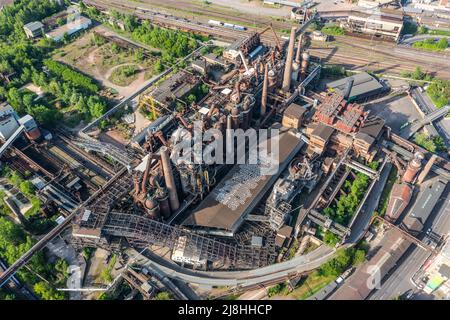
[[305, 64], [164, 205], [235, 117], [295, 71], [169, 179], [272, 79], [152, 207]]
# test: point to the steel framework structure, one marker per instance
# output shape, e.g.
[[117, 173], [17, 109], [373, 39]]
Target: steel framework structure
[[106, 149], [140, 230]]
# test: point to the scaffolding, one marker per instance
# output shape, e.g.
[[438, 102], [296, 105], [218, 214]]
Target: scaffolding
[[142, 231], [95, 213]]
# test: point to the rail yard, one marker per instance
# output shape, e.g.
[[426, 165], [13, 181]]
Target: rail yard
[[251, 166]]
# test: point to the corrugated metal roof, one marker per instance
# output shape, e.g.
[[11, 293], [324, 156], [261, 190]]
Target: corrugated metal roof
[[33, 26], [363, 83], [231, 200]]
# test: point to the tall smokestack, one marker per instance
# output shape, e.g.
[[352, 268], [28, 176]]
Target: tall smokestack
[[299, 49], [288, 66], [264, 90], [168, 178]]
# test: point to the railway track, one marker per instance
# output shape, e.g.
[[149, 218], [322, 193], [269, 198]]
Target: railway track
[[106, 171], [399, 55], [183, 24], [359, 63], [11, 270]]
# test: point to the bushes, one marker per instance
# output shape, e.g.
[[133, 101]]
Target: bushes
[[431, 44], [439, 92], [409, 28], [432, 144], [333, 71], [343, 260], [106, 274], [174, 44], [123, 76], [47, 292], [279, 289], [333, 30], [330, 238], [329, 271], [14, 16], [347, 204], [163, 295]]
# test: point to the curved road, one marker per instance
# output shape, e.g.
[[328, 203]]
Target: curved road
[[244, 278]]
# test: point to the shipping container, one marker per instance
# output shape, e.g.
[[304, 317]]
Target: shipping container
[[215, 22]]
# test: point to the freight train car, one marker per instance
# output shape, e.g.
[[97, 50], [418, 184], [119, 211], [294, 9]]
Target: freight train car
[[227, 25]]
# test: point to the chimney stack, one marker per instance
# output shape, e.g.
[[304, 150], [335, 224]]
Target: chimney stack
[[168, 178], [299, 49], [288, 65]]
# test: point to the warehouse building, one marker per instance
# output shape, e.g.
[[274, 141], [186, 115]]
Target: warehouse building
[[381, 23], [34, 29], [424, 205], [224, 210], [81, 23], [364, 87]]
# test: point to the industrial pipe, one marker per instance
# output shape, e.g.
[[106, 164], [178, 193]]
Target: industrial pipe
[[264, 91], [169, 179]]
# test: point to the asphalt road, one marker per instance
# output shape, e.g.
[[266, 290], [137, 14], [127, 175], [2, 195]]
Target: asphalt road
[[244, 278], [442, 125]]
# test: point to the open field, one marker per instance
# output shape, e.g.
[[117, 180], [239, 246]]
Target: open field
[[104, 61]]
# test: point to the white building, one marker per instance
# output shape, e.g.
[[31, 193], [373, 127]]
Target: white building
[[8, 121], [380, 23], [439, 274], [183, 256], [78, 24]]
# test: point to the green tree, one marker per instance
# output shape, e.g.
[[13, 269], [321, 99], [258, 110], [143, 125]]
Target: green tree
[[158, 67], [163, 295], [60, 21], [330, 238], [47, 292], [27, 187], [62, 267]]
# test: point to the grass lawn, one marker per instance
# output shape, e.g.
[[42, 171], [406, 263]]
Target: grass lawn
[[387, 191], [124, 75], [311, 285]]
